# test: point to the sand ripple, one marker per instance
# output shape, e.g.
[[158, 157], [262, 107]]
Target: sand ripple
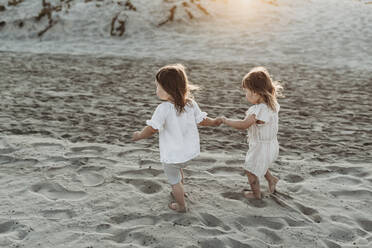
[[68, 168]]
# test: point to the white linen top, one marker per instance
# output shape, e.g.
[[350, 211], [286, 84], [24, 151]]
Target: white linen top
[[178, 133]]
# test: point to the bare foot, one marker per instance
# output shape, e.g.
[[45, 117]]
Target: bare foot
[[250, 195], [272, 184], [174, 206]]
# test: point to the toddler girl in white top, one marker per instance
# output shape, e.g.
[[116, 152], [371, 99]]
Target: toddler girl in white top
[[176, 120], [262, 123]]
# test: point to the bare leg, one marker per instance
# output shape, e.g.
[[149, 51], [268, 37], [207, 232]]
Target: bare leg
[[255, 186], [182, 180], [272, 181], [178, 193]]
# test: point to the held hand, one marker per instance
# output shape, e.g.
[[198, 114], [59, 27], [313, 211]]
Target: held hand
[[223, 118], [252, 119], [136, 136], [218, 121]]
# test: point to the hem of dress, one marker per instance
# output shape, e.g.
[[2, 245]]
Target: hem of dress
[[194, 155], [250, 171]]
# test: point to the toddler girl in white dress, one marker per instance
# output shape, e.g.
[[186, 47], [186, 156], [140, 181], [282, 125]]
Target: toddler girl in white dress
[[176, 120], [262, 123]]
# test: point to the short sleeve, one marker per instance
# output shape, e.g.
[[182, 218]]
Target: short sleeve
[[199, 115], [261, 111], [250, 111], [158, 118]]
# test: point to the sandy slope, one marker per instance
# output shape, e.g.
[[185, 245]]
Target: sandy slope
[[70, 177], [330, 33]]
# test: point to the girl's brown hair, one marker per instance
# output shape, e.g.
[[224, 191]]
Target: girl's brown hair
[[173, 80], [259, 81]]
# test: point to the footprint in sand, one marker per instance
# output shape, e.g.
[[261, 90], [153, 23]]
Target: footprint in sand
[[355, 171], [102, 161], [235, 162], [213, 242], [331, 244], [103, 227], [235, 243], [261, 221], [6, 159], [292, 178], [53, 172], [227, 171], [128, 230], [14, 229], [341, 233], [365, 224], [320, 173], [207, 231], [88, 150], [7, 150], [345, 180], [186, 221], [240, 197], [25, 162], [294, 223], [357, 195], [90, 176], [135, 152], [48, 148], [141, 173], [212, 221], [17, 163], [82, 160], [133, 220], [58, 214], [116, 234], [148, 162], [204, 161], [308, 211], [233, 195], [134, 237], [55, 191], [146, 186], [271, 235]]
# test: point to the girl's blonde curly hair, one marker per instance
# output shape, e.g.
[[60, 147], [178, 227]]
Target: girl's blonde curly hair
[[259, 81]]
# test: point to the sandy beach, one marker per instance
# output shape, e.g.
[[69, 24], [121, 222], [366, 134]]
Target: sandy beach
[[71, 177], [71, 98]]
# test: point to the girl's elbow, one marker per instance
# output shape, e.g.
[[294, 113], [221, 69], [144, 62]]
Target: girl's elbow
[[154, 131]]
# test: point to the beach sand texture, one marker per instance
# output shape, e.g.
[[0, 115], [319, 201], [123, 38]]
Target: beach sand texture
[[71, 177], [73, 89]]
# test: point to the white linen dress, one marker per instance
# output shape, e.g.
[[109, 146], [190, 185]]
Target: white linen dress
[[262, 139]]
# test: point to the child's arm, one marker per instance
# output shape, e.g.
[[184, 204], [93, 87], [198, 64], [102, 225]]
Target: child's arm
[[211, 122], [146, 132], [240, 124]]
